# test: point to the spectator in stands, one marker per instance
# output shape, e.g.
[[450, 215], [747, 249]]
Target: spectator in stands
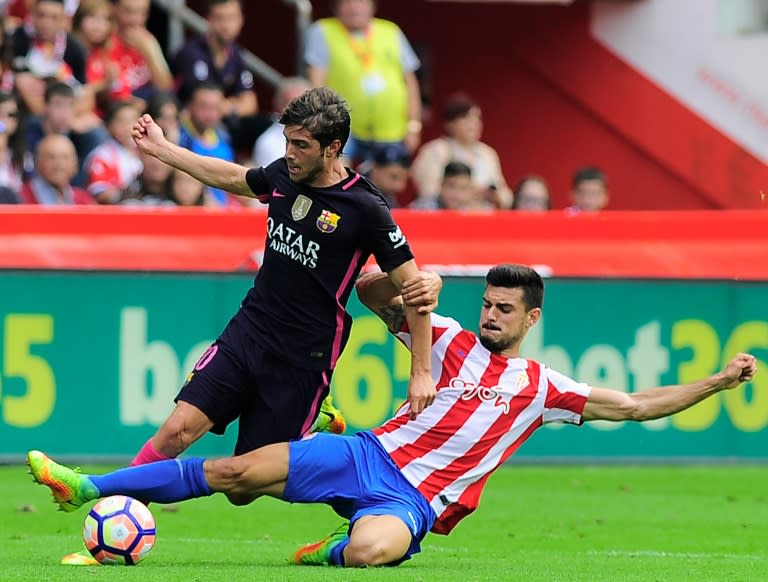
[[153, 187], [115, 164], [203, 132], [140, 60], [43, 50], [457, 192], [59, 117], [8, 196], [389, 172], [7, 78], [215, 57], [370, 63], [270, 145], [164, 109], [55, 166], [93, 27], [531, 193], [187, 191], [462, 131], [12, 147], [589, 190]]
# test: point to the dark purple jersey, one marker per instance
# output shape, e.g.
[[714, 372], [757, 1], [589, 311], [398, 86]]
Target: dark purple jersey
[[318, 239]]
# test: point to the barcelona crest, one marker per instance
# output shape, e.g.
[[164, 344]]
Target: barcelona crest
[[327, 221]]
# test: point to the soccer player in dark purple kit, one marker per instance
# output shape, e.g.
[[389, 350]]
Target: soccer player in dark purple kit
[[271, 365]]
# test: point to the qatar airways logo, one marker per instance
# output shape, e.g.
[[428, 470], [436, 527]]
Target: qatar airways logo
[[494, 394], [286, 241]]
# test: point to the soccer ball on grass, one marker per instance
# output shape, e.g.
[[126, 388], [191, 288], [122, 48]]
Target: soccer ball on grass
[[119, 530]]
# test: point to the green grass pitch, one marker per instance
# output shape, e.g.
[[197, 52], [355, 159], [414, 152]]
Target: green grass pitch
[[535, 523]]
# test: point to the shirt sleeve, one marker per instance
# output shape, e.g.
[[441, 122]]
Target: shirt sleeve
[[316, 47], [258, 182], [566, 398], [20, 48], [74, 56], [244, 80], [408, 59], [383, 237]]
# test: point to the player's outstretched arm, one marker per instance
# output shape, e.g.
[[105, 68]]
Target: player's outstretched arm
[[421, 388], [378, 293], [214, 172], [606, 404]]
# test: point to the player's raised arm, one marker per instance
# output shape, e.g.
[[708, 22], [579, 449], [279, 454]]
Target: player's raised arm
[[605, 404], [214, 172]]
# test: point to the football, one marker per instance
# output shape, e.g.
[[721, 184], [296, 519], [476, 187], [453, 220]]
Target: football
[[119, 530]]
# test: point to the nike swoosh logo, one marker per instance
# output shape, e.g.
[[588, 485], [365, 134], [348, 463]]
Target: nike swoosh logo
[[276, 194]]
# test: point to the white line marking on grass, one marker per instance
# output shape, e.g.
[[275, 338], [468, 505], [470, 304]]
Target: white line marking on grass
[[661, 554]]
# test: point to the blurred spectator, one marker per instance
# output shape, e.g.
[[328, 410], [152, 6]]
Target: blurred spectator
[[187, 191], [370, 63], [115, 164], [463, 128], [215, 57], [55, 166], [457, 191], [531, 193], [8, 196], [12, 146], [93, 27], [140, 61], [589, 190], [153, 187], [389, 172], [7, 78], [164, 109], [202, 130], [59, 117], [270, 145], [43, 50]]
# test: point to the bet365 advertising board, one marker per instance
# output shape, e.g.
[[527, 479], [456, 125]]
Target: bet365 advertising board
[[90, 362]]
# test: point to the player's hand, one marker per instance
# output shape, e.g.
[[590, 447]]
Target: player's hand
[[422, 292], [740, 369], [147, 135], [421, 393]]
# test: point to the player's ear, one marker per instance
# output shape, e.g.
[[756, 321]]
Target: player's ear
[[532, 317], [332, 150]]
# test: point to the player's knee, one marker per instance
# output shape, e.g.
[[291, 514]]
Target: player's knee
[[369, 553], [240, 499], [230, 476]]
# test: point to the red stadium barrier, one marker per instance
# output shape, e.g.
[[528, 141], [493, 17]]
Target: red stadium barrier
[[676, 244]]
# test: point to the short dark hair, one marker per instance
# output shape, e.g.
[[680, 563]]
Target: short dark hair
[[116, 107], [458, 105], [394, 153], [212, 3], [588, 173], [322, 112], [456, 169], [205, 86], [58, 89], [512, 276]]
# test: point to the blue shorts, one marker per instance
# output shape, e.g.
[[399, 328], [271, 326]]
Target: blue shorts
[[356, 477]]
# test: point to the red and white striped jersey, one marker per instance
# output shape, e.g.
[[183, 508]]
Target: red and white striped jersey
[[486, 406]]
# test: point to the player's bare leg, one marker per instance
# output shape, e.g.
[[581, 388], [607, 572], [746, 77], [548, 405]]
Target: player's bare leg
[[376, 540], [246, 477], [185, 426]]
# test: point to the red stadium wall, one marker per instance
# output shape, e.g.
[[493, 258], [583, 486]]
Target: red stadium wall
[[694, 244], [554, 99]]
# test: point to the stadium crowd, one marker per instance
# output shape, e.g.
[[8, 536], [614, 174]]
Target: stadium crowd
[[84, 71]]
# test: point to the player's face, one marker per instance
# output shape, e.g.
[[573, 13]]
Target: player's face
[[504, 319], [306, 159]]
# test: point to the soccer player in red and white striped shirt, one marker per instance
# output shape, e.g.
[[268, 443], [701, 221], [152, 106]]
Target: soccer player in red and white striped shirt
[[416, 472]]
